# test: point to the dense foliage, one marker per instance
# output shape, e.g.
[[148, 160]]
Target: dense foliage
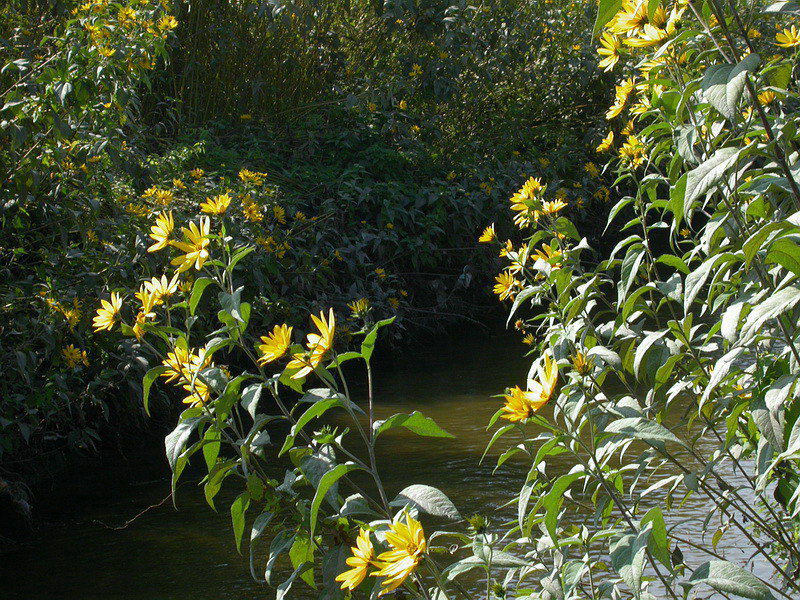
[[382, 137], [664, 370]]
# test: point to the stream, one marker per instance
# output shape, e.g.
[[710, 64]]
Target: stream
[[189, 554]]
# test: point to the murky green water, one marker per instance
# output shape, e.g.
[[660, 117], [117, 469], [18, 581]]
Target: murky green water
[[189, 554]]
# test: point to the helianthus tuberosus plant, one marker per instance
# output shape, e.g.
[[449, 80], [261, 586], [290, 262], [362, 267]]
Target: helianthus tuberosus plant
[[259, 408], [677, 356]]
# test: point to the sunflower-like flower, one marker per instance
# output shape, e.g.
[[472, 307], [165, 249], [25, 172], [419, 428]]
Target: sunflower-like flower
[[183, 365], [363, 553], [551, 207], [161, 231], [550, 255], [506, 286], [650, 36], [632, 153], [788, 38], [162, 288], [107, 313], [622, 93], [74, 356], [318, 344], [407, 539], [524, 200], [275, 345], [195, 246], [606, 143], [359, 307], [610, 45], [216, 205], [521, 404], [488, 235]]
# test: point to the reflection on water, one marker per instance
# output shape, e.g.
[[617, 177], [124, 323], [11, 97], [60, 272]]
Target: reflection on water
[[189, 554]]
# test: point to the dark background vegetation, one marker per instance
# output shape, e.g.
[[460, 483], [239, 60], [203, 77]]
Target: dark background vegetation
[[398, 130]]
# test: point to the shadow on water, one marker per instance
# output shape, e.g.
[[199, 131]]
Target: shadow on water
[[189, 553]]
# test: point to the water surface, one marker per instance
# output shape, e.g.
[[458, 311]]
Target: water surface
[[189, 554]]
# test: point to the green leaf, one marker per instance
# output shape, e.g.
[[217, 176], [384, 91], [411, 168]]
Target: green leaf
[[628, 559], [606, 11], [639, 428], [368, 345], [554, 499], [147, 383], [199, 286], [721, 369], [211, 445], [658, 544], [702, 179], [317, 409], [723, 85], [428, 500], [256, 530], [416, 422], [302, 552], [238, 510], [772, 307], [325, 484], [728, 578], [786, 253], [175, 441], [251, 395], [630, 269]]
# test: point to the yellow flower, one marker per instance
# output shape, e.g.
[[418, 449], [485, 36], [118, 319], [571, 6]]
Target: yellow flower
[[162, 288], [380, 272], [520, 405], [632, 152], [197, 173], [279, 213], [183, 364], [251, 210], [591, 169], [393, 302], [403, 105], [275, 344], [551, 207], [161, 231], [363, 553], [581, 363], [372, 107], [195, 246], [300, 215], [248, 176], [217, 205], [528, 339], [506, 285], [766, 97], [74, 356], [623, 91], [416, 70], [788, 38], [522, 201], [107, 313], [488, 235], [628, 129], [610, 45], [408, 543], [359, 307], [415, 129], [650, 36], [606, 142], [167, 23], [317, 344], [178, 184], [549, 255]]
